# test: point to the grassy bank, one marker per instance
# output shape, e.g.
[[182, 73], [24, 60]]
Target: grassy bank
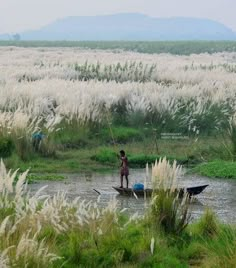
[[217, 169], [78, 149], [76, 153], [199, 157]]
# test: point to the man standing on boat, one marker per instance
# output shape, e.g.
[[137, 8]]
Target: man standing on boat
[[124, 169]]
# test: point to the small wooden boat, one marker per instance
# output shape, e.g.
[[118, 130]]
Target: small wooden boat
[[192, 191]]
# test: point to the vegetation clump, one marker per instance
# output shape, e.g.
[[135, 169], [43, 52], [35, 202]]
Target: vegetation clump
[[6, 147], [169, 210]]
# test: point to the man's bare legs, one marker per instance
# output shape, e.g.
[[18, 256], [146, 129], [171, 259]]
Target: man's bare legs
[[127, 181], [121, 181]]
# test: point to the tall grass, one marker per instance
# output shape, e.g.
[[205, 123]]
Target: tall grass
[[170, 93], [54, 231], [208, 225], [232, 135], [29, 224], [169, 212], [130, 71], [222, 249]]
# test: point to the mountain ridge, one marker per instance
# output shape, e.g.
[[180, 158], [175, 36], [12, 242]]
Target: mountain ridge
[[130, 27]]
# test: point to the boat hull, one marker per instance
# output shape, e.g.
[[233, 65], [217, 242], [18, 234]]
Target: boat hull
[[192, 191]]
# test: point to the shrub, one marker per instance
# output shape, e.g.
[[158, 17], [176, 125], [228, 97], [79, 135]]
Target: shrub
[[105, 156], [6, 147]]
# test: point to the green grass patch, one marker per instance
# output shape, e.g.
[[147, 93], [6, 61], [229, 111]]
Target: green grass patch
[[105, 155], [217, 169], [173, 47], [69, 161]]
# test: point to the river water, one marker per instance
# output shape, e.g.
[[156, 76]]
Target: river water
[[220, 195]]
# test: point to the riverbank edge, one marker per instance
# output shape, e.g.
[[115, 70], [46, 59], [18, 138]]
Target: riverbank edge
[[51, 169]]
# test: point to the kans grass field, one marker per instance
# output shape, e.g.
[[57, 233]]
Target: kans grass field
[[91, 102]]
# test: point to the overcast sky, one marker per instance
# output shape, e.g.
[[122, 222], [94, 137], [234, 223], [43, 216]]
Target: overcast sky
[[20, 15]]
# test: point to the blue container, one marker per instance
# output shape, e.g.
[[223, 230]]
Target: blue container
[[138, 187]]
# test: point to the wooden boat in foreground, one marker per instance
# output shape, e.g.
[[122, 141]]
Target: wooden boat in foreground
[[192, 191]]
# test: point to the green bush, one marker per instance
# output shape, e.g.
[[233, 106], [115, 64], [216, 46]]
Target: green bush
[[105, 156], [141, 160], [6, 147]]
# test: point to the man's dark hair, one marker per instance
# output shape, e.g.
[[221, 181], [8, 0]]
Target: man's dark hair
[[122, 152]]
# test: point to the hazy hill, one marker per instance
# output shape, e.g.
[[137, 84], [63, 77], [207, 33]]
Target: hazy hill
[[130, 26]]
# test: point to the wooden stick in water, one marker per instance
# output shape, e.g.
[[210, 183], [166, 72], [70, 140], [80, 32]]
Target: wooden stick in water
[[97, 191]]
